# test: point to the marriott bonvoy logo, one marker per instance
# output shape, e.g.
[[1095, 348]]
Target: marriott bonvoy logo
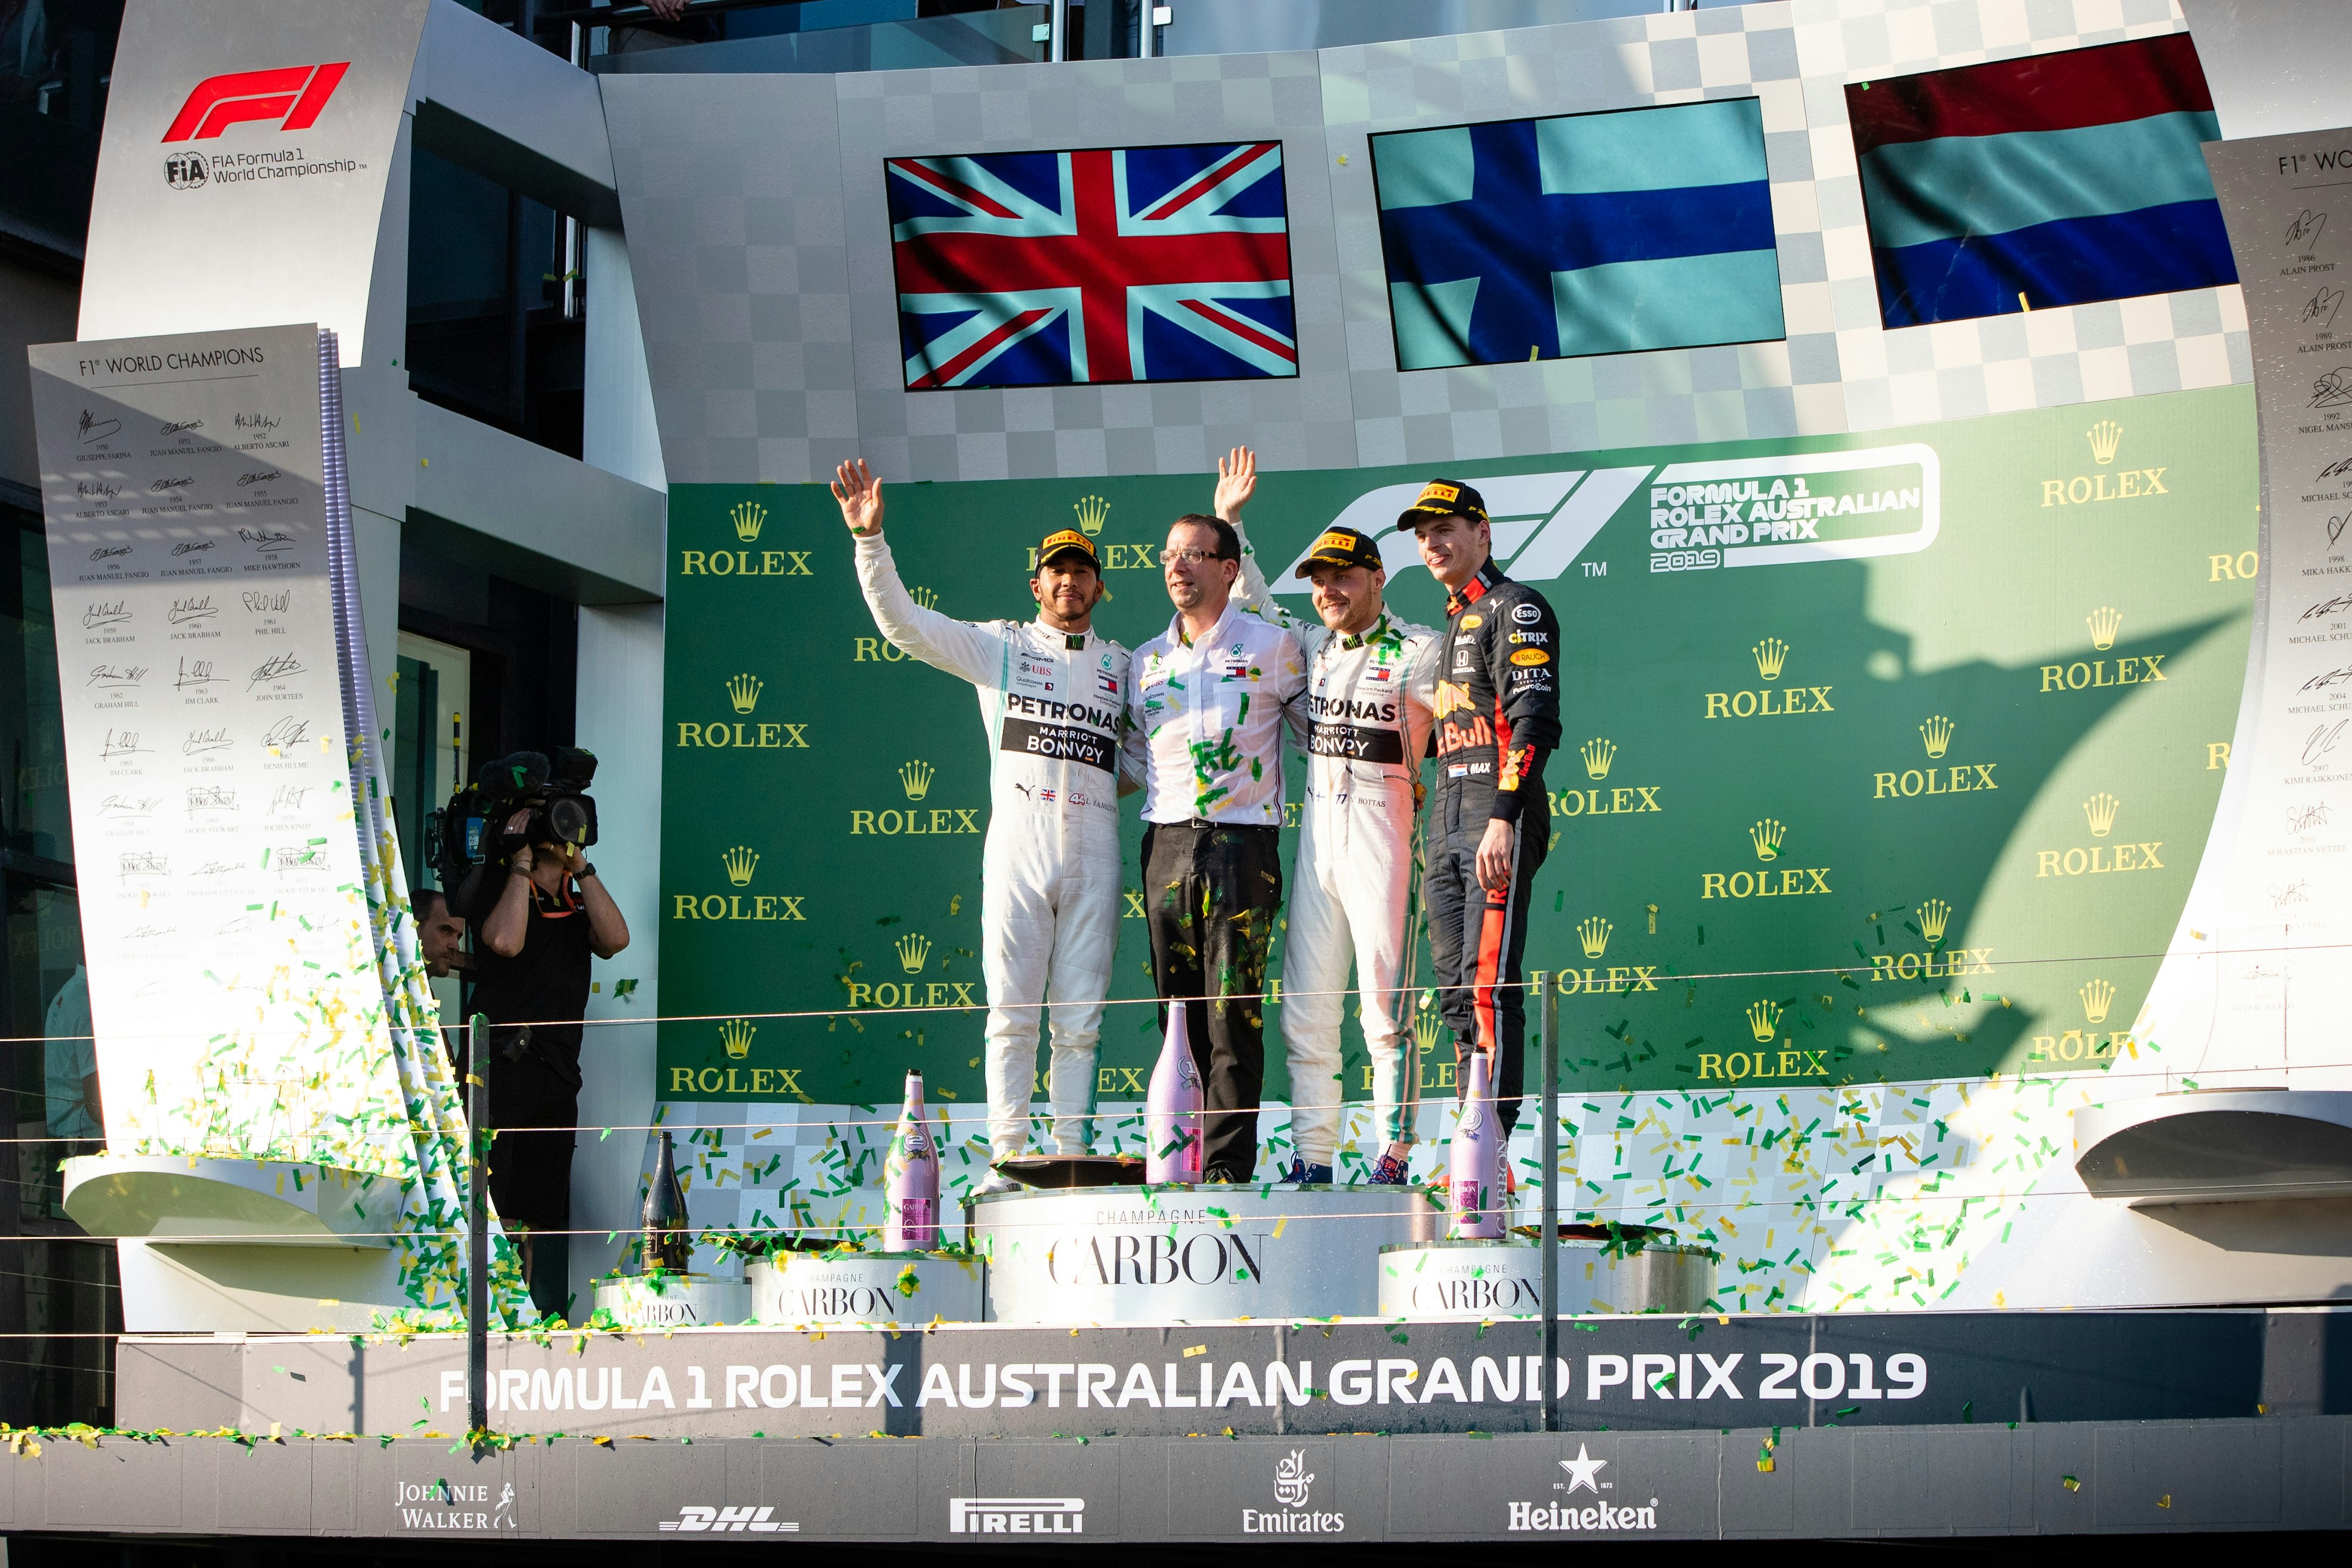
[[1294, 1489]]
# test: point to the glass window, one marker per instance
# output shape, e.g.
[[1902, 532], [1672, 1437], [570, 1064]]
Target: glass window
[[32, 815]]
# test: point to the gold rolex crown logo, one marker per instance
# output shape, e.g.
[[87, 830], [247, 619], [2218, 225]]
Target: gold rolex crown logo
[[2101, 809], [1937, 733], [735, 1037], [1093, 512], [927, 597], [1934, 915], [743, 690], [1598, 754], [2106, 437], [1771, 654], [2105, 624], [1594, 934], [916, 776], [740, 862], [1767, 835], [1764, 1021], [2097, 998], [748, 519], [913, 948], [1426, 1030]]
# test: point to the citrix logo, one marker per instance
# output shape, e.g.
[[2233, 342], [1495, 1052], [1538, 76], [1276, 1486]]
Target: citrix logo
[[292, 95]]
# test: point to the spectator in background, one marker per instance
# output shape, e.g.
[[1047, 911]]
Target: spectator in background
[[440, 934]]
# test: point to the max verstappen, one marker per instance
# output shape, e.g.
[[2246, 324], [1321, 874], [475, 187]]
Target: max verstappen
[[1052, 696], [1497, 717], [1369, 675]]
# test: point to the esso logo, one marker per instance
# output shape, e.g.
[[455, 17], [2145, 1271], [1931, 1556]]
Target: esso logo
[[1526, 614]]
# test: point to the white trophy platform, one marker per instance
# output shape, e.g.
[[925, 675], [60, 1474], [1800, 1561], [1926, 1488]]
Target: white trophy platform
[[1482, 1279], [897, 1288], [673, 1300], [1135, 1255], [214, 1245]]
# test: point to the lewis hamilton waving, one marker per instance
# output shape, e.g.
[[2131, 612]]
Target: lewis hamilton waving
[[1053, 698]]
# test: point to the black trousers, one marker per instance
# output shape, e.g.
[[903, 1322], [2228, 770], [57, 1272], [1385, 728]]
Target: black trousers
[[1211, 893], [531, 1171], [1477, 938]]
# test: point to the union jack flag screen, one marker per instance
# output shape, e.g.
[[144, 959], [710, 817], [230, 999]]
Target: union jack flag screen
[[1105, 265]]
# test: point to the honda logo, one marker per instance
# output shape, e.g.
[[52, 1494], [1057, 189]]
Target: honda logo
[[293, 95]]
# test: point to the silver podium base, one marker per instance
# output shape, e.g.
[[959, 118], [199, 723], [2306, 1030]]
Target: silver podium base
[[1141, 1254]]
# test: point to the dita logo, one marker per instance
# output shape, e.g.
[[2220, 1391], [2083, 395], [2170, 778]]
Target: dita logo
[[291, 95]]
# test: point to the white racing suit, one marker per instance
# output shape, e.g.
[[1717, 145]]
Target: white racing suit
[[1053, 705], [1364, 723]]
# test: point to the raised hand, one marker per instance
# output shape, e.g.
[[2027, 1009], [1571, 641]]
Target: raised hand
[[1237, 482], [860, 495]]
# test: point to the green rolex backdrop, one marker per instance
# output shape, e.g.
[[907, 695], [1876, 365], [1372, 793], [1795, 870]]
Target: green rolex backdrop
[[1887, 756]]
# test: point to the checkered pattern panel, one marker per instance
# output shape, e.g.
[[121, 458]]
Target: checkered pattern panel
[[759, 239]]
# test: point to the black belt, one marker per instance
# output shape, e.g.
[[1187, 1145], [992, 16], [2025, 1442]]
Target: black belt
[[1202, 823]]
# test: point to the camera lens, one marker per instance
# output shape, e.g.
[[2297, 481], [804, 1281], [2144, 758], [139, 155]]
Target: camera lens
[[568, 819]]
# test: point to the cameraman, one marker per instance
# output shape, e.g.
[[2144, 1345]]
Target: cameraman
[[531, 975]]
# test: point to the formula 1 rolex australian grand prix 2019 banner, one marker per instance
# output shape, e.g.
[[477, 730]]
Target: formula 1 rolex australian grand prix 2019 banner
[[1888, 761]]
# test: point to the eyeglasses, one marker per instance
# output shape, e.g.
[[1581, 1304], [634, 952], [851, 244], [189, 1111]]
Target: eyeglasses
[[1190, 557]]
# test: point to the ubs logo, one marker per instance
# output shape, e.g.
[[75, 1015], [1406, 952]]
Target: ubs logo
[[184, 170]]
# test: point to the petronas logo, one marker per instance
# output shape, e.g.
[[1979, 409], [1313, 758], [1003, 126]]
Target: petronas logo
[[1934, 915], [2101, 809], [1594, 934], [740, 862], [2105, 624], [749, 518], [1937, 734], [735, 1037], [913, 950], [1598, 754], [2097, 998], [1093, 512], [1765, 835], [743, 690], [916, 778], [1764, 1021], [2106, 437], [1771, 654]]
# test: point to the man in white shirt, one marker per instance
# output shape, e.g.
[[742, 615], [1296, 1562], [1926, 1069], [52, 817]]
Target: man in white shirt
[[1053, 697], [1210, 698]]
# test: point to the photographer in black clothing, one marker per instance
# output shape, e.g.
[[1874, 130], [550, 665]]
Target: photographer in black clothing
[[531, 971]]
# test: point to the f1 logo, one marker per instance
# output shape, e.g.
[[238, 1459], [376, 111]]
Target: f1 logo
[[294, 94]]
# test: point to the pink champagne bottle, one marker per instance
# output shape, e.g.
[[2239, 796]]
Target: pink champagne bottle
[[910, 1178], [1173, 1125], [1474, 1170]]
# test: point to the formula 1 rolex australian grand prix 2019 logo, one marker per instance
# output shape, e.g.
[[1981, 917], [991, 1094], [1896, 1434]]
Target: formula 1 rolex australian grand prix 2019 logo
[[1739, 511]]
